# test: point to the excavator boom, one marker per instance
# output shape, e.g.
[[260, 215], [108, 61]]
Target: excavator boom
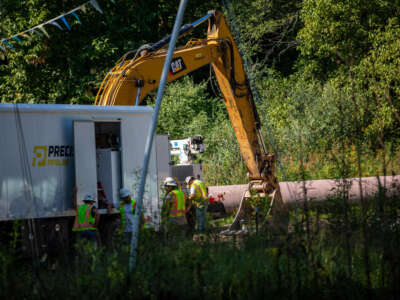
[[137, 78], [130, 81]]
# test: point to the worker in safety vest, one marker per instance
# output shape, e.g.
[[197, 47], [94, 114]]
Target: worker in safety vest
[[127, 210], [174, 206], [198, 197], [127, 207], [87, 217]]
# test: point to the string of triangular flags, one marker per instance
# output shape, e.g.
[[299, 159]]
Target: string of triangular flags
[[41, 30]]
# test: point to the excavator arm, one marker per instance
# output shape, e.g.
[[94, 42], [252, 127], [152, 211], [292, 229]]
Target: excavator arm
[[131, 80]]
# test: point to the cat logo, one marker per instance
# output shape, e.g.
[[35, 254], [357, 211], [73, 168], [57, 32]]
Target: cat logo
[[177, 65]]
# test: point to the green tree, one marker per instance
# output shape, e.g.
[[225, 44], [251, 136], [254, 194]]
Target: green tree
[[338, 33], [187, 109], [267, 31], [69, 66]]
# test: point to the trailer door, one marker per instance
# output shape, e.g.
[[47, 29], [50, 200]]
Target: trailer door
[[85, 159]]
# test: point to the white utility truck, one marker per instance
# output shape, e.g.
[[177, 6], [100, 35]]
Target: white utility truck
[[185, 150], [46, 150]]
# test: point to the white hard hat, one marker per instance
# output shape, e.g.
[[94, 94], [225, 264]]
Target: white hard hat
[[88, 197], [187, 179], [123, 193], [169, 181]]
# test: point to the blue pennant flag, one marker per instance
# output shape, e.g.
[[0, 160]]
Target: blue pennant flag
[[17, 39], [54, 23], [8, 44], [96, 6], [76, 17], [65, 22]]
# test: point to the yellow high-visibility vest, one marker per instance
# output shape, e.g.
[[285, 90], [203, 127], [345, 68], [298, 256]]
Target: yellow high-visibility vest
[[122, 212], [178, 204], [201, 197], [84, 219]]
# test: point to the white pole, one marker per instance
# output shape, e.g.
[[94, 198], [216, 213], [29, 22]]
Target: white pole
[[150, 136]]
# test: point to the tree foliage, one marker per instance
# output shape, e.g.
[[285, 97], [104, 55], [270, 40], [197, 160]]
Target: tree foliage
[[340, 32], [327, 72], [187, 109], [69, 66], [267, 30]]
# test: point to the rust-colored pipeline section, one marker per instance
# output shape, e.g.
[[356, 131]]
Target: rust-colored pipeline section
[[316, 190]]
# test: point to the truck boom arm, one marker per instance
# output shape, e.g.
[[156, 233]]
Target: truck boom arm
[[131, 80]]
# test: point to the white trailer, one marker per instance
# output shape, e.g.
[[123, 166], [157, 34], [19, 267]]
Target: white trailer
[[45, 150]]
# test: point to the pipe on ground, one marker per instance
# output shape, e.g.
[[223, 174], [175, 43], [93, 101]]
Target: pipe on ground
[[317, 190]]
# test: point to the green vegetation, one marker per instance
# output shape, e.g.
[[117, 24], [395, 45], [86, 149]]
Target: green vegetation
[[328, 75], [69, 66], [321, 257], [326, 71]]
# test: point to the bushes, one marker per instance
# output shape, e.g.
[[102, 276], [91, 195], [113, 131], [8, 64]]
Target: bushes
[[324, 260]]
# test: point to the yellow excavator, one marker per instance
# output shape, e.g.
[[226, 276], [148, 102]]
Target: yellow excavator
[[131, 80]]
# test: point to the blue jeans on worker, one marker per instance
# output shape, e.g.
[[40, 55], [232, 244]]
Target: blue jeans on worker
[[126, 238], [89, 235], [201, 218]]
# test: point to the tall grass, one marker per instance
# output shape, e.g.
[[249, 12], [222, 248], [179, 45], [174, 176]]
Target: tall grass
[[310, 261]]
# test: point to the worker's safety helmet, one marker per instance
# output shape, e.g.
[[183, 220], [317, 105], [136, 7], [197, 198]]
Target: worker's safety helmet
[[187, 180], [88, 197], [123, 193], [169, 181]]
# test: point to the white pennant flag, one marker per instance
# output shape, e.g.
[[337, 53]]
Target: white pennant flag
[[54, 23], [96, 5], [33, 31]]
